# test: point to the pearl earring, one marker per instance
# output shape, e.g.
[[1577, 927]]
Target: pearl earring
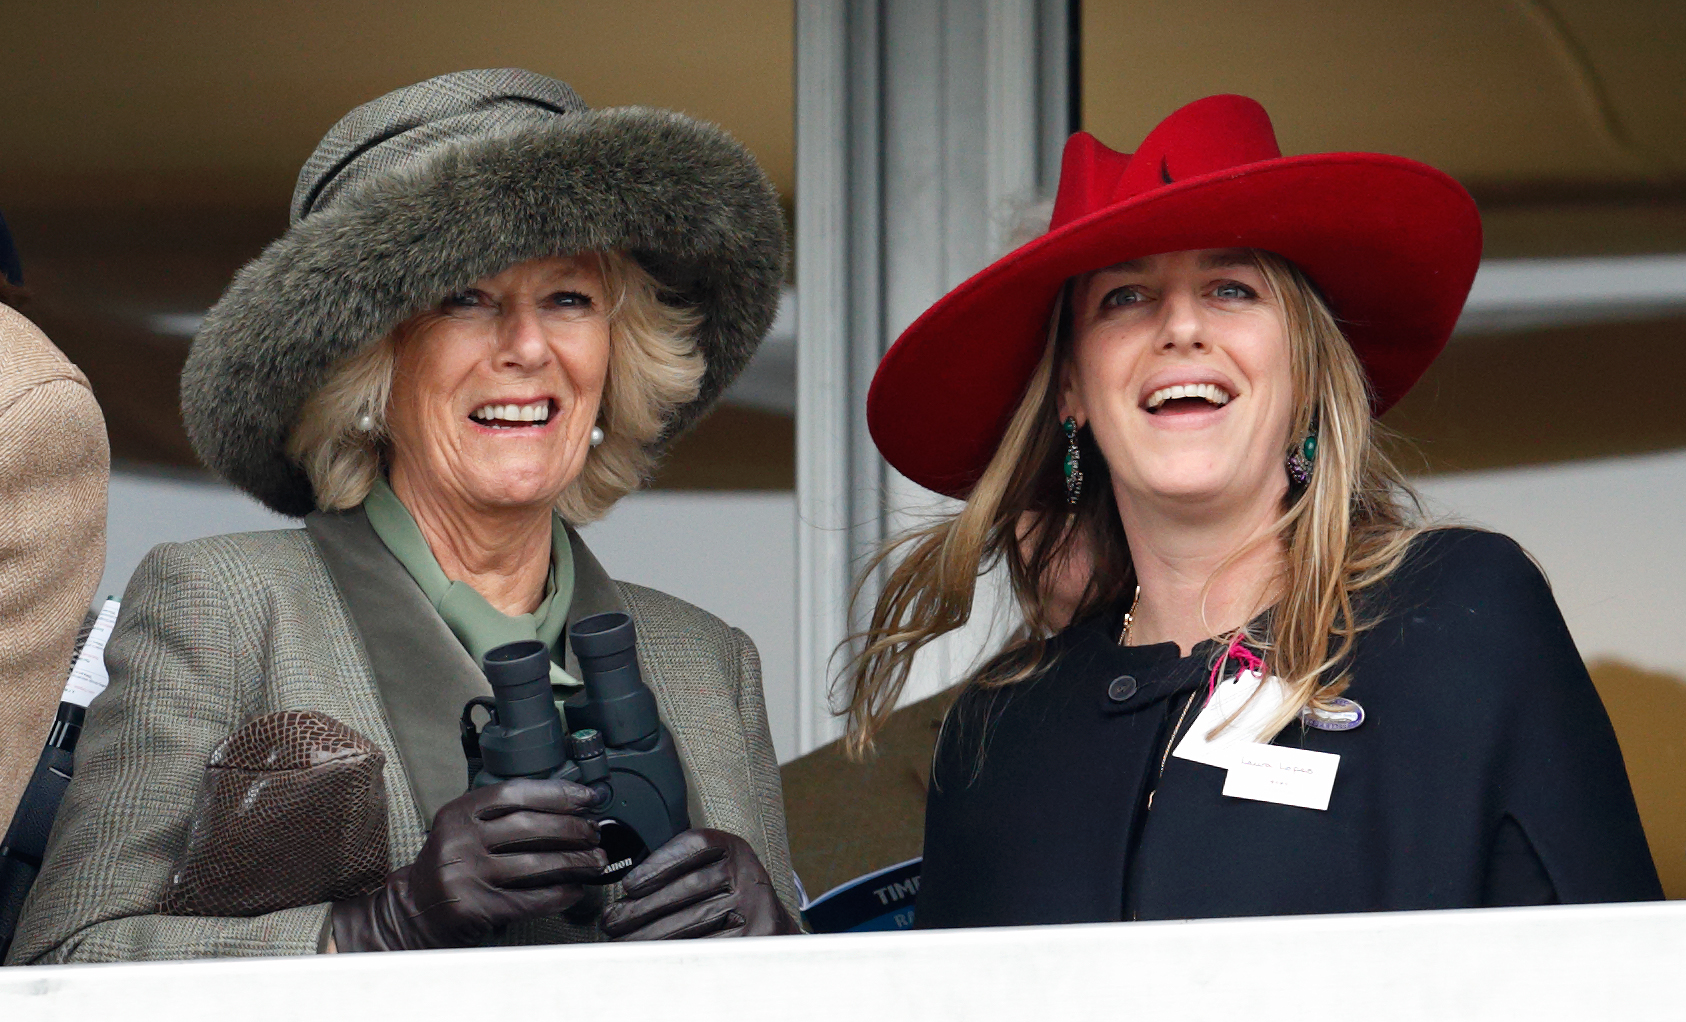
[[596, 435], [366, 422]]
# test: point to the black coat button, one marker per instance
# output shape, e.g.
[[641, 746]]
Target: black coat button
[[1121, 688]]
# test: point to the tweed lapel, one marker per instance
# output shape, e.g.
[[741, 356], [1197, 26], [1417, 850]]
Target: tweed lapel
[[422, 672]]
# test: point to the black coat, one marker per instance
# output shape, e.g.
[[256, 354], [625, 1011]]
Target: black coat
[[1485, 773]]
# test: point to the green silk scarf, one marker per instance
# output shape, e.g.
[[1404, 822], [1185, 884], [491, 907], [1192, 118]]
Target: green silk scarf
[[478, 625]]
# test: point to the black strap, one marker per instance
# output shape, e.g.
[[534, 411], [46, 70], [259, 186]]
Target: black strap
[[471, 735], [25, 844], [26, 839]]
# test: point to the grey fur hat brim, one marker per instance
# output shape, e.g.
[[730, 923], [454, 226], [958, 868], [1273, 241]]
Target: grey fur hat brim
[[680, 196]]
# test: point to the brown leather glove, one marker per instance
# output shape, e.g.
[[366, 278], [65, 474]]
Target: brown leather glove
[[497, 855], [703, 883]]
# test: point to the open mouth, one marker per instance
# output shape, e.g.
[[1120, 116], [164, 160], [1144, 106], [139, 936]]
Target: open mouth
[[1186, 397], [514, 416]]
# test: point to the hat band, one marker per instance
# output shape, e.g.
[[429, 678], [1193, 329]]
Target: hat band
[[344, 162]]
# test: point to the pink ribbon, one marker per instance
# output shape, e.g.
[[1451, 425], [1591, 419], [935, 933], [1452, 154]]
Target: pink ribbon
[[1249, 660]]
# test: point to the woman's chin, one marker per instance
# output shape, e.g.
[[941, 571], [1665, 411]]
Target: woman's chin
[[1202, 487], [509, 494]]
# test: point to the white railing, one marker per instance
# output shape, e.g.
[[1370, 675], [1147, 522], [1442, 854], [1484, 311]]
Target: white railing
[[1584, 963]]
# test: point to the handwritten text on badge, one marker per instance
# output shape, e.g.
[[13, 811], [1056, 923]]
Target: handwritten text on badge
[[1276, 773]]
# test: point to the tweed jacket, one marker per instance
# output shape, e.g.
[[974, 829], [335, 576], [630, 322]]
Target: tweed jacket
[[54, 464], [221, 630]]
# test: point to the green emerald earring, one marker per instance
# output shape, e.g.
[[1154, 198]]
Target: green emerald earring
[[1073, 462], [1303, 458]]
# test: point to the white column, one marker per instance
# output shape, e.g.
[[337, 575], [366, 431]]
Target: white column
[[922, 126]]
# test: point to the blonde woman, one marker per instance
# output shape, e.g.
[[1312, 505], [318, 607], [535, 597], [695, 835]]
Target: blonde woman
[[494, 309], [1279, 692]]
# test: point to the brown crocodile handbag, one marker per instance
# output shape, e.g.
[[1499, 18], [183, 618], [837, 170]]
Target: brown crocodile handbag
[[292, 812]]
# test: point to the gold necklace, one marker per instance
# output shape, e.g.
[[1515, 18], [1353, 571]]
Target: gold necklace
[[1165, 755], [1130, 618]]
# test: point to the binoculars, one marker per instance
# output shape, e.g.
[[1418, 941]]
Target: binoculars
[[618, 747]]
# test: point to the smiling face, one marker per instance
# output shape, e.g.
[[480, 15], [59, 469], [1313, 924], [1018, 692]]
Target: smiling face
[[494, 394], [1181, 367]]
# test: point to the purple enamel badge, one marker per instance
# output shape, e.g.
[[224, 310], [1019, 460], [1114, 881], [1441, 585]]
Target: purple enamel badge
[[1340, 715]]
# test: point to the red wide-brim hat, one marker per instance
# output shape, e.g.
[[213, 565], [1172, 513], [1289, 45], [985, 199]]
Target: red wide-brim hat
[[1393, 245]]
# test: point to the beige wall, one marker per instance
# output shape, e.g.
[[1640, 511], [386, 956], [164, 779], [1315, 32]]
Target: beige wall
[[1489, 90], [229, 96], [1566, 118]]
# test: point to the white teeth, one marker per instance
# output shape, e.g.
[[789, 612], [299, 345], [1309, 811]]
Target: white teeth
[[538, 411], [1209, 392]]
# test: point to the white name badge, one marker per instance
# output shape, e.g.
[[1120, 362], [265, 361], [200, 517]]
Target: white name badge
[[1275, 773], [1232, 697], [1257, 770]]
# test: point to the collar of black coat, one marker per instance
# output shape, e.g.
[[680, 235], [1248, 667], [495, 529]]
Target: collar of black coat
[[1088, 651]]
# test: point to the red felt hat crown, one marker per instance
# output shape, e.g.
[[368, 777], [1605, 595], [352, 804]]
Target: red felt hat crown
[[1393, 245]]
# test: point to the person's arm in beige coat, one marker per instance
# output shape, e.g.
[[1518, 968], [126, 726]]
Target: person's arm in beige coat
[[54, 464], [183, 677]]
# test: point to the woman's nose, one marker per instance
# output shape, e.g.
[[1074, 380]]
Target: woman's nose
[[1182, 327], [522, 343]]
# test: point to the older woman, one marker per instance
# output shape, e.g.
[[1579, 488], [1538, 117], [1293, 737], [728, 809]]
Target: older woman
[[493, 310], [1279, 692]]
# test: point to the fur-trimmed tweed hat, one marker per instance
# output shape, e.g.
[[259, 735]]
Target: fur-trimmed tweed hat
[[425, 190]]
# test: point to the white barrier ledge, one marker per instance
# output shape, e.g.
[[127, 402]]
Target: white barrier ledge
[[1585, 962]]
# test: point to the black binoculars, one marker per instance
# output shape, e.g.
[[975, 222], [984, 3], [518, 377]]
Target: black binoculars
[[618, 747]]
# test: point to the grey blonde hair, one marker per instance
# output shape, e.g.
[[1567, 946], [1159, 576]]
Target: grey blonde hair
[[655, 369], [1344, 533]]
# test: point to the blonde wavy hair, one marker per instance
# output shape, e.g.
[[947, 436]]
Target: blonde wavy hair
[[1344, 533], [655, 369]]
